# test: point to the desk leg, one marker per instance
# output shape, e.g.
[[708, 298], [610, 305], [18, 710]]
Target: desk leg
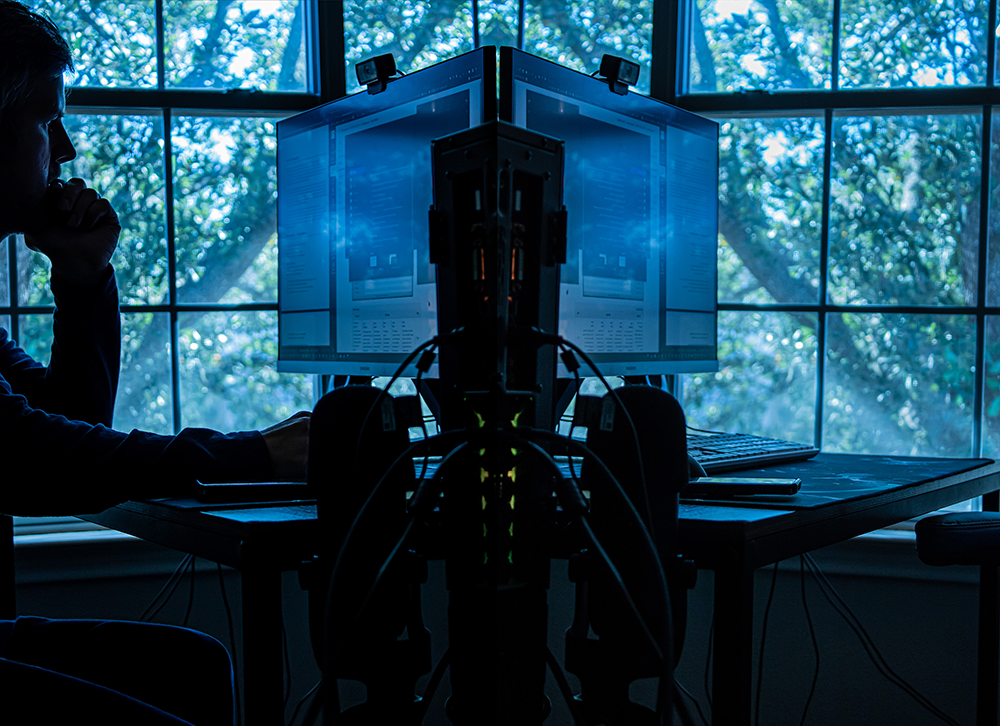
[[263, 674], [732, 667]]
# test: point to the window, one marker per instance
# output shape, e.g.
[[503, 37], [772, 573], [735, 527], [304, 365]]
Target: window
[[858, 158], [172, 110]]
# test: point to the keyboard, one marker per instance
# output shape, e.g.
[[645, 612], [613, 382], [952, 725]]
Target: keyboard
[[722, 452]]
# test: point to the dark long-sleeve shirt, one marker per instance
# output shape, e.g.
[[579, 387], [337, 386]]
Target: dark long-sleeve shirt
[[60, 454]]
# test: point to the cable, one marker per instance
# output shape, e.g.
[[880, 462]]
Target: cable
[[232, 640], [168, 588], [432, 685], [763, 641], [187, 613], [419, 498], [685, 716], [635, 433], [873, 653], [557, 672], [812, 635], [314, 691]]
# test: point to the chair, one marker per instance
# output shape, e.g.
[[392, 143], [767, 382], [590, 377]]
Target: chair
[[622, 653], [352, 638], [972, 538]]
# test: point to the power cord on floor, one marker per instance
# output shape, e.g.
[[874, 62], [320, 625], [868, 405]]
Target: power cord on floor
[[876, 657]]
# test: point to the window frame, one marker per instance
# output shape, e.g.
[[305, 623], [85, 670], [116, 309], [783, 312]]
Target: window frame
[[671, 85], [324, 49]]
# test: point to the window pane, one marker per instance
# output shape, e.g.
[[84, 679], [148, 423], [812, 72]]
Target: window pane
[[991, 402], [766, 382], [899, 384], [770, 209], [993, 267], [498, 22], [113, 43], [904, 43], [578, 35], [219, 44], [416, 34], [36, 336], [738, 44], [228, 376], [902, 190], [32, 276], [224, 172], [5, 322], [145, 398], [122, 158]]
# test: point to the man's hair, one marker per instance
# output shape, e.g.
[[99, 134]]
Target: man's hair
[[31, 49]]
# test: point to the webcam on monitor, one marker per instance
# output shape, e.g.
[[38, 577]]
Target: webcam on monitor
[[619, 73], [376, 72]]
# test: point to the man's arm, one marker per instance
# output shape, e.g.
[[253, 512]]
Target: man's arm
[[79, 236], [81, 381]]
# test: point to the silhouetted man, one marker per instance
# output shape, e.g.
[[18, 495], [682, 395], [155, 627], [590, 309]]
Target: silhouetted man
[[60, 452]]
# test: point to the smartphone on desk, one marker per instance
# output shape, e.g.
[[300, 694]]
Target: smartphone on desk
[[727, 487]]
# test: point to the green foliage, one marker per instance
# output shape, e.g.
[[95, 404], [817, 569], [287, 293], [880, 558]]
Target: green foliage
[[223, 190], [902, 190], [913, 43], [577, 35], [114, 44], [761, 44], [416, 34], [904, 213], [904, 225]]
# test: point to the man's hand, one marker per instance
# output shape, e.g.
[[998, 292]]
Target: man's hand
[[80, 233], [288, 444]]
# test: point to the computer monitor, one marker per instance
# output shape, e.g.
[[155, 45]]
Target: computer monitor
[[638, 290], [356, 288]]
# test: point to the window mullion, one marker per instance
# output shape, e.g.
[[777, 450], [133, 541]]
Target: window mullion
[[475, 23], [670, 41], [824, 269], [13, 290], [520, 25], [835, 49], [161, 50], [170, 231], [982, 276], [991, 47]]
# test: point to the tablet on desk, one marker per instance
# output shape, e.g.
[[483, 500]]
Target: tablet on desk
[[282, 491]]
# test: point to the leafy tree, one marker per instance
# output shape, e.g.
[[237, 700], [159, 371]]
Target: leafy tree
[[903, 214], [223, 189]]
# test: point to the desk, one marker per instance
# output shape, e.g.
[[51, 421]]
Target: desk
[[259, 540], [842, 496]]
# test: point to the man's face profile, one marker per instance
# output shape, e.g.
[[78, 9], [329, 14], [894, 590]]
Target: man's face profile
[[33, 144]]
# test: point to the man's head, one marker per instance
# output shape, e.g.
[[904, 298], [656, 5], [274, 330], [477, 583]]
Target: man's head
[[33, 58], [31, 49]]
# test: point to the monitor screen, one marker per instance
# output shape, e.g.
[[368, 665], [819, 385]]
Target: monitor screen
[[356, 289], [638, 289]]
